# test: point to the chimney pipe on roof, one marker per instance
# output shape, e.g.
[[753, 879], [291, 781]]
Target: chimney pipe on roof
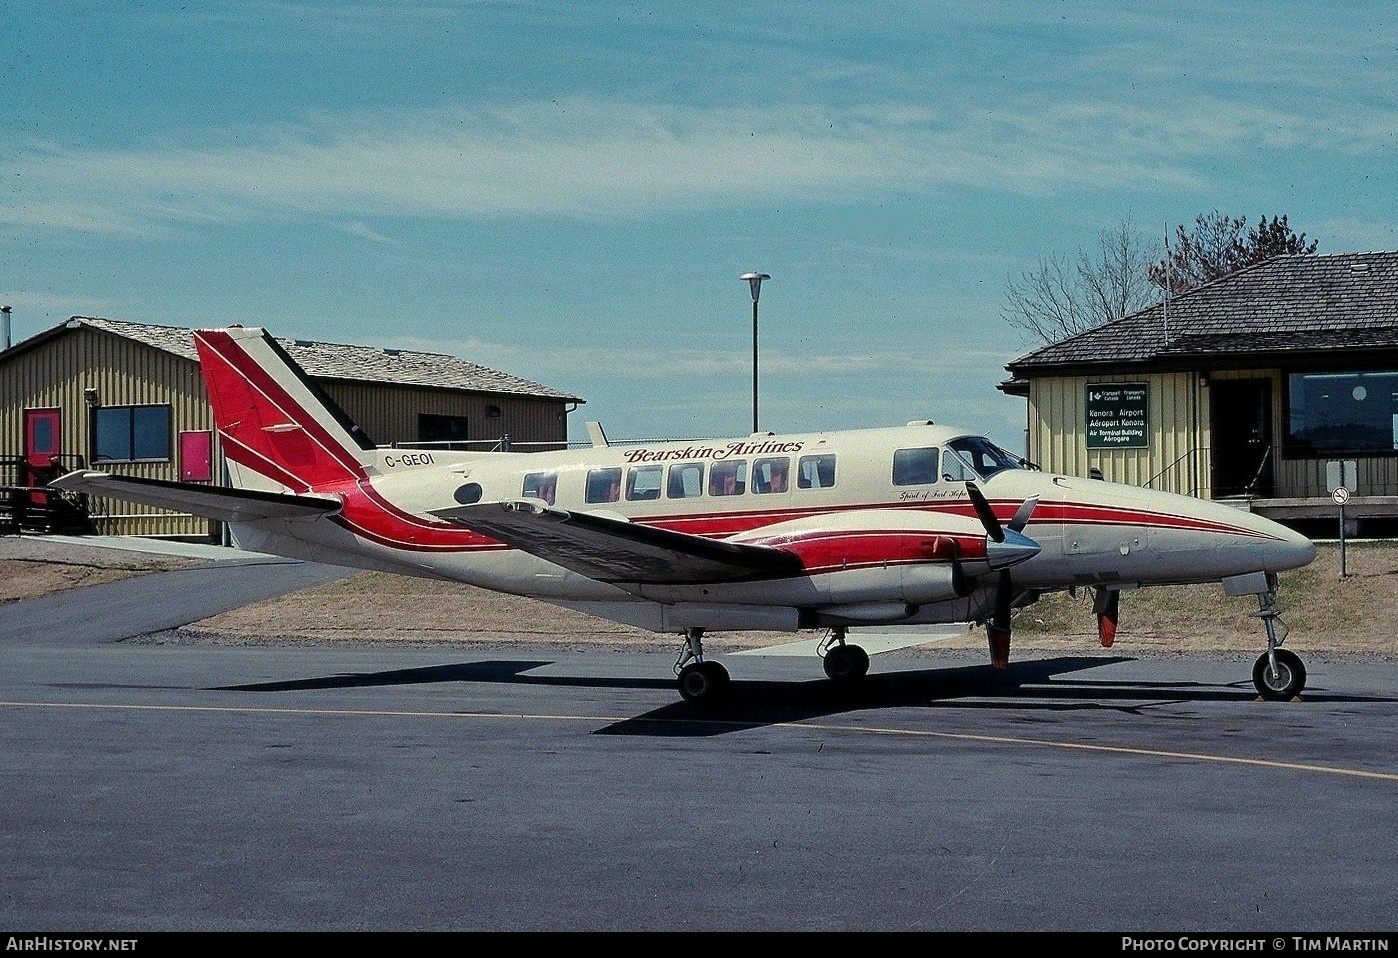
[[4, 328]]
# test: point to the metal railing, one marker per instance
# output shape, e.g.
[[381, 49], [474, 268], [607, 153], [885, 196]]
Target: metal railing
[[28, 505], [1193, 482]]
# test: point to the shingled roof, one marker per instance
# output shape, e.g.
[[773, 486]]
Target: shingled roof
[[334, 361], [1301, 304]]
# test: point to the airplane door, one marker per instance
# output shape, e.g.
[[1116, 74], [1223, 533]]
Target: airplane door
[[1241, 436], [41, 441]]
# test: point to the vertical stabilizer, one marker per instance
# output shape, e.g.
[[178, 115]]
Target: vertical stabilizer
[[278, 429]]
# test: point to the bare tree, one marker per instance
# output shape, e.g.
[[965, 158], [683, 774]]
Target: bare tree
[[1063, 297]]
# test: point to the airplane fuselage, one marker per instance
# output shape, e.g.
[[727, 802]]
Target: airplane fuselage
[[874, 514]]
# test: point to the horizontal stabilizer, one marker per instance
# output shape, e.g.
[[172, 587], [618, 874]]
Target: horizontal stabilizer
[[200, 499], [618, 551]]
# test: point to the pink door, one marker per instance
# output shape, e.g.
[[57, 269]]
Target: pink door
[[42, 429]]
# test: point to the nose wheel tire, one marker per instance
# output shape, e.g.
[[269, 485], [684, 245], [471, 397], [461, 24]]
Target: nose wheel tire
[[703, 683], [1286, 682], [846, 663]]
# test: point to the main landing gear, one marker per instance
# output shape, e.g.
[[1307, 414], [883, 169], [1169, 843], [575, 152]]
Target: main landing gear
[[844, 663], [704, 682], [701, 682], [1278, 673]]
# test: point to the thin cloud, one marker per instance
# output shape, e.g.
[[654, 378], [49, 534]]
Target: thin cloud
[[357, 228], [598, 159]]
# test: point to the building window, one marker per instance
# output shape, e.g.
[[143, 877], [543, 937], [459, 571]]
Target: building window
[[442, 429], [1330, 413], [131, 434]]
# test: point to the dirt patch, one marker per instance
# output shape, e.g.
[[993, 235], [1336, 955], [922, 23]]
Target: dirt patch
[[31, 567]]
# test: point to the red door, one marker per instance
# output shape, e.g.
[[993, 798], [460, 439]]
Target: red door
[[41, 441]]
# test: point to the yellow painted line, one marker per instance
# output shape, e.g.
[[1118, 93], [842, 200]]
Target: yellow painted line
[[806, 726], [1126, 750]]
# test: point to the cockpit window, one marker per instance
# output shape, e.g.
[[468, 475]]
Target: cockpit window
[[982, 456], [912, 467]]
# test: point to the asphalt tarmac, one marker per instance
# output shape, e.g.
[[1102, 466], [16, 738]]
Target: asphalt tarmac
[[156, 787]]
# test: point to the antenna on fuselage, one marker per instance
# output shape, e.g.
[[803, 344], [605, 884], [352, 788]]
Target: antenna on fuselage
[[598, 437]]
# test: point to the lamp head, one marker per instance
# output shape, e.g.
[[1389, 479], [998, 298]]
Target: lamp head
[[755, 283]]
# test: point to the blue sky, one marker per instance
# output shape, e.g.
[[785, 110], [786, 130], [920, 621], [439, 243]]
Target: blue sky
[[569, 191]]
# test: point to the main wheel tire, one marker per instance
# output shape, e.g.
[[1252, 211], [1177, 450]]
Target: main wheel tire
[[703, 683], [846, 663], [1288, 680]]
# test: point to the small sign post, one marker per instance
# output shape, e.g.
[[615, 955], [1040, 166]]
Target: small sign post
[[1340, 476], [1341, 496]]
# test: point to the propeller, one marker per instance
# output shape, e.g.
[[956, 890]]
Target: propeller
[[1006, 545], [987, 514]]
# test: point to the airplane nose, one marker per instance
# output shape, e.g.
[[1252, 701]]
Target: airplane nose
[[1294, 551], [1285, 547], [1015, 548]]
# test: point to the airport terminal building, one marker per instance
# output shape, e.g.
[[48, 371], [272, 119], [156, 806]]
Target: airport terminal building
[[128, 397], [1257, 388]]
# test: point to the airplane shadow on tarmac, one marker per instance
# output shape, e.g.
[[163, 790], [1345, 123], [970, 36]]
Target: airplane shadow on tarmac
[[1026, 685]]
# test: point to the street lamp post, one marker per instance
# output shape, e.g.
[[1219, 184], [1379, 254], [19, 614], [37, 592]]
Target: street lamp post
[[754, 281]]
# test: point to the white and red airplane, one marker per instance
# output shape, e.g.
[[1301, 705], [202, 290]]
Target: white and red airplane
[[912, 525]]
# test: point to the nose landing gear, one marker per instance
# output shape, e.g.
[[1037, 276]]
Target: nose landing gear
[[1278, 673]]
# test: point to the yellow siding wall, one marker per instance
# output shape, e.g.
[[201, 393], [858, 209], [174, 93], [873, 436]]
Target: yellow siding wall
[[388, 415], [1173, 460]]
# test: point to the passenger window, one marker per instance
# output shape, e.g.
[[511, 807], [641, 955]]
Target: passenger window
[[604, 485], [686, 480], [643, 483], [728, 478], [815, 472], [913, 467], [769, 475], [540, 485]]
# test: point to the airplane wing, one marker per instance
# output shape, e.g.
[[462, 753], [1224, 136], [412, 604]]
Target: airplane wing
[[616, 550], [200, 499]]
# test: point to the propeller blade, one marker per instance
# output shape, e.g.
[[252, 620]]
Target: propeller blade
[[1021, 517], [998, 628], [1004, 593], [986, 514], [959, 580], [1107, 604]]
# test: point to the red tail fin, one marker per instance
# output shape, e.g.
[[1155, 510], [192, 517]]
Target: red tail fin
[[275, 423]]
